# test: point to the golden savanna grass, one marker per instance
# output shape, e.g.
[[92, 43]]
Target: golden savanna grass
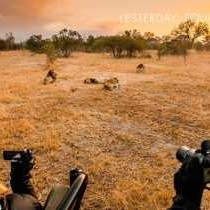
[[125, 139]]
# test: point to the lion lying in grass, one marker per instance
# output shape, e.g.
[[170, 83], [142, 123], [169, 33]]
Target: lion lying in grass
[[111, 84], [50, 78], [108, 84]]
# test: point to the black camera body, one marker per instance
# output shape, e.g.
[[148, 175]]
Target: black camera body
[[9, 155], [185, 155]]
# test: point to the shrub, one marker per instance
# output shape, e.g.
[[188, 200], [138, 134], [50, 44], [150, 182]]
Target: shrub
[[35, 44], [2, 44], [120, 45], [173, 47], [67, 41], [50, 51]]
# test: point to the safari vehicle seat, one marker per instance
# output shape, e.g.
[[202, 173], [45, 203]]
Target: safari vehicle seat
[[64, 197]]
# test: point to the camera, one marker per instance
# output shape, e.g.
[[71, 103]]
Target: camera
[[9, 155], [186, 154]]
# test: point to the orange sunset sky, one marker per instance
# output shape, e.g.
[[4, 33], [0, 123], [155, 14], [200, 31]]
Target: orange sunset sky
[[24, 17]]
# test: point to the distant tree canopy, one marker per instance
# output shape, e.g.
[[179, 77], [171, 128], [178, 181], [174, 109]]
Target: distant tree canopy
[[61, 44], [187, 35], [9, 42], [67, 41], [89, 44], [183, 38], [191, 31], [2, 44], [173, 47], [126, 44], [35, 44], [152, 41]]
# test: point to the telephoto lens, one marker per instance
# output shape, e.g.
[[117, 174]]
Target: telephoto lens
[[184, 153]]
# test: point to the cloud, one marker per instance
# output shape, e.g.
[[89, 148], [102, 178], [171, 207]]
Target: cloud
[[32, 13], [22, 8], [49, 16]]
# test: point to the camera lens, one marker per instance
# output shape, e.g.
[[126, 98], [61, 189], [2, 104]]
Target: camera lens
[[183, 153]]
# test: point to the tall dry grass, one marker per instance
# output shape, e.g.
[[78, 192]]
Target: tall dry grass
[[125, 140]]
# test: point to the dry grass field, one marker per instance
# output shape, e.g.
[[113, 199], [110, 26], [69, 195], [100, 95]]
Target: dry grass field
[[124, 139]]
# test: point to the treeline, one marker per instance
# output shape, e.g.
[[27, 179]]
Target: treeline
[[8, 43], [63, 43], [187, 35]]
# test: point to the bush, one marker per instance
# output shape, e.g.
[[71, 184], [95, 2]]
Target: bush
[[202, 46], [50, 51], [89, 44], [120, 45], [8, 43], [198, 46], [2, 44], [35, 44], [67, 41], [173, 47]]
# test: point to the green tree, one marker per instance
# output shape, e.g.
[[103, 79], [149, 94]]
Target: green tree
[[177, 47], [133, 42], [148, 35], [111, 44], [125, 44], [35, 43], [89, 43], [131, 46], [67, 41], [3, 45]]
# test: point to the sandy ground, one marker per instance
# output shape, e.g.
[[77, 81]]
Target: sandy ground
[[125, 140]]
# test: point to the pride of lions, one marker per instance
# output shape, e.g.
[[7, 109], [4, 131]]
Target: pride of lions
[[108, 84]]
